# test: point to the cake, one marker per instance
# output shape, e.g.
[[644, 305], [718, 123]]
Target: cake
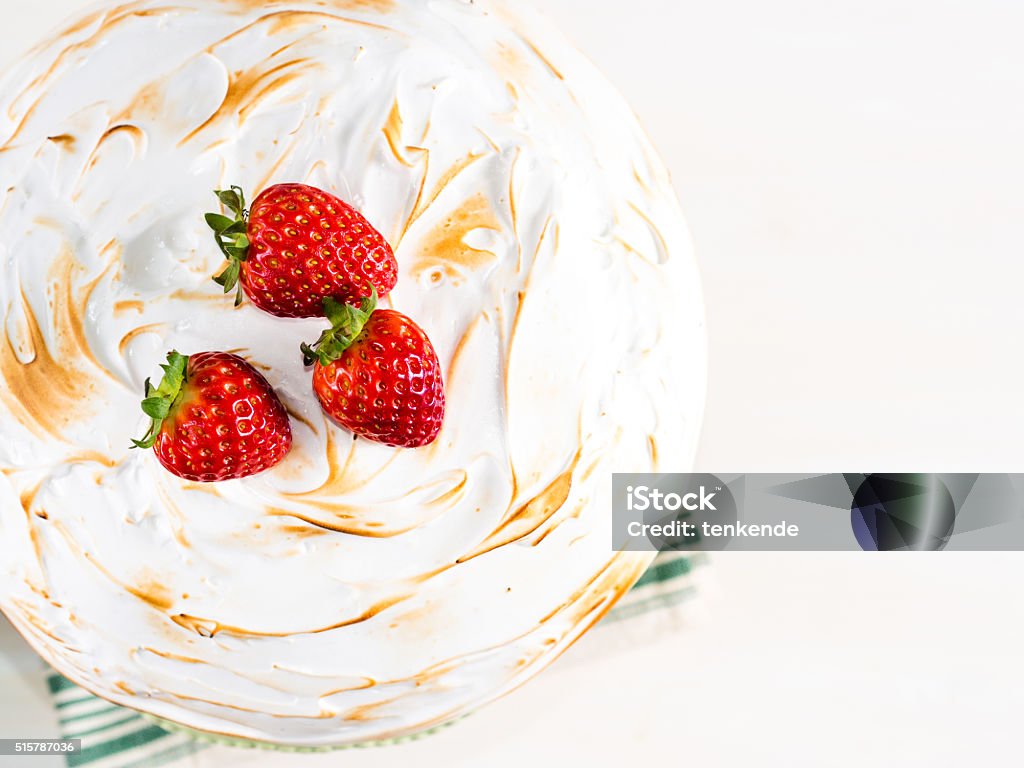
[[354, 592]]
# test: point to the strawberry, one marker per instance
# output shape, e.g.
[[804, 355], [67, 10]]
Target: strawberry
[[377, 374], [214, 418], [297, 246]]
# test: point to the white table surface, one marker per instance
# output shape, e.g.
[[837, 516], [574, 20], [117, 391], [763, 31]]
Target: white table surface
[[852, 173]]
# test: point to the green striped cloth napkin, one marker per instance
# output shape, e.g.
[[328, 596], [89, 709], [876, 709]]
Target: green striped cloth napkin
[[114, 737]]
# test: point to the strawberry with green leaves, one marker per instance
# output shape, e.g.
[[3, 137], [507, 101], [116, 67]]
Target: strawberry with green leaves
[[214, 417], [376, 373], [297, 246]]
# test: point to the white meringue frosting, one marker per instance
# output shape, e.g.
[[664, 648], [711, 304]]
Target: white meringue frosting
[[356, 591]]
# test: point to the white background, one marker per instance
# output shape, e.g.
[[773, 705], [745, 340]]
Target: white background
[[853, 173]]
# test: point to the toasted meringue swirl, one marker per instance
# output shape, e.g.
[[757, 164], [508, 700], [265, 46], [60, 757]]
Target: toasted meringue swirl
[[355, 591]]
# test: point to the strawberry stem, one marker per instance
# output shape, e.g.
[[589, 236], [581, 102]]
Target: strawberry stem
[[346, 324], [161, 400], [232, 238]]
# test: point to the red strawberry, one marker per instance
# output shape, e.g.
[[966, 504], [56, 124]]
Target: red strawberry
[[297, 246], [214, 418], [376, 373]]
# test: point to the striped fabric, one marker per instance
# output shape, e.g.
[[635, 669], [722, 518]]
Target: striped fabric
[[114, 737], [111, 735]]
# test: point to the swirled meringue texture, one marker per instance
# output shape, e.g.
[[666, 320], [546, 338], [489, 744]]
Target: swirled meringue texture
[[356, 591]]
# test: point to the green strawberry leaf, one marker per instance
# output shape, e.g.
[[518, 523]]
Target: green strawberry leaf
[[229, 277], [156, 407], [218, 223], [233, 199], [159, 402], [237, 252], [231, 236], [347, 323]]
